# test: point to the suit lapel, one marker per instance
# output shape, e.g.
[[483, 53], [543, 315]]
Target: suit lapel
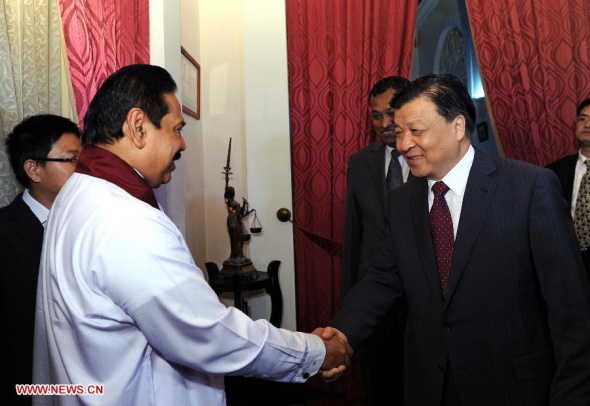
[[479, 193], [377, 170], [421, 220], [568, 179], [28, 228]]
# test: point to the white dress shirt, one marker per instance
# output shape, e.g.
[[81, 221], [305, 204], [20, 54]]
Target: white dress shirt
[[456, 180], [579, 174], [40, 211]]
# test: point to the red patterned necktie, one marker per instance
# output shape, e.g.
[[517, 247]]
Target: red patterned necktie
[[441, 228]]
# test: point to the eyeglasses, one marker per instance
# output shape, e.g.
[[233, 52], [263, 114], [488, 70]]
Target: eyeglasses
[[582, 119], [71, 160]]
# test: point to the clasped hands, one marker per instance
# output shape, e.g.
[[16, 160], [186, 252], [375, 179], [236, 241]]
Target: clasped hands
[[338, 353]]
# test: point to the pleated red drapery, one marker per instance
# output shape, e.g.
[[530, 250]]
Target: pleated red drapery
[[102, 36], [337, 50], [534, 57]]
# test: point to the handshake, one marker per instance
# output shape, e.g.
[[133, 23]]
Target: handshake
[[338, 353]]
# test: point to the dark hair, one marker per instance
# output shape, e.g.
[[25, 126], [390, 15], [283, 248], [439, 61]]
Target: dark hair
[[581, 106], [446, 91], [391, 82], [33, 138], [141, 86]]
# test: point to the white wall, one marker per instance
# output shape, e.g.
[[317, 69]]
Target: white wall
[[165, 52], [183, 197], [241, 47], [268, 142], [244, 63], [193, 157], [222, 115]]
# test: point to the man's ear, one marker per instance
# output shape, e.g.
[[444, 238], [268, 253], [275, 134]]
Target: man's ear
[[460, 129], [33, 169], [135, 127]]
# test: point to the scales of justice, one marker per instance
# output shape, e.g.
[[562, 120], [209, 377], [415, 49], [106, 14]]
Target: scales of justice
[[237, 264]]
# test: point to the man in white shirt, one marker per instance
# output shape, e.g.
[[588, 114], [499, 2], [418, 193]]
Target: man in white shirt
[[120, 301], [43, 150], [571, 170], [483, 250]]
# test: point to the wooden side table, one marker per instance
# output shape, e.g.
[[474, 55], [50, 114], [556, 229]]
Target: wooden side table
[[268, 281]]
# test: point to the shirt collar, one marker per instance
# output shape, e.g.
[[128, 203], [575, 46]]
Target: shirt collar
[[388, 150], [456, 179], [40, 211], [581, 158]]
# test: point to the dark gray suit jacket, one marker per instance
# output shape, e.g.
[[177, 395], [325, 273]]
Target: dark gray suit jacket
[[21, 239], [364, 215], [515, 327], [565, 169], [365, 211]]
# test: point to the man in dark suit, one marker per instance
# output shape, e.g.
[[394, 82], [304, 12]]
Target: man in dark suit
[[571, 169], [484, 251], [43, 150], [382, 355]]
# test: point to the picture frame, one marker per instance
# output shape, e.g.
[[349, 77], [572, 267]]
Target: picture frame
[[191, 85], [482, 132]]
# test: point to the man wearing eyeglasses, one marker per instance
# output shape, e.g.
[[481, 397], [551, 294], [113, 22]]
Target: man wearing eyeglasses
[[43, 150], [575, 180]]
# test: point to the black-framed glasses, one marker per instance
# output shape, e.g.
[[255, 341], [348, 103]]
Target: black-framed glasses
[[71, 160]]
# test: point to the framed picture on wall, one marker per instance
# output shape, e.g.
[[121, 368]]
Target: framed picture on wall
[[191, 85], [482, 131]]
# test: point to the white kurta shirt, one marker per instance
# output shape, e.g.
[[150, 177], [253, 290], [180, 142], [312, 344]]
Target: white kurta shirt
[[121, 303]]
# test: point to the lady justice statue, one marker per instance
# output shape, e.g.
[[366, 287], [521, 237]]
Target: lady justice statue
[[235, 225], [237, 263]]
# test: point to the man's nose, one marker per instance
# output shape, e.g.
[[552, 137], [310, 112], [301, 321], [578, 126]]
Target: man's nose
[[386, 122], [402, 142]]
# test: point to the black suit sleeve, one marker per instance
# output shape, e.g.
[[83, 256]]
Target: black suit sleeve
[[565, 169], [371, 298], [352, 234], [21, 236], [564, 286]]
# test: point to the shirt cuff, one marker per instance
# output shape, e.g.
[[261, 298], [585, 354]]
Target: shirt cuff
[[315, 358]]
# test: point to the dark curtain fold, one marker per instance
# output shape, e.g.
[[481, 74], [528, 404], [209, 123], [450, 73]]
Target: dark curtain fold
[[534, 61], [336, 51]]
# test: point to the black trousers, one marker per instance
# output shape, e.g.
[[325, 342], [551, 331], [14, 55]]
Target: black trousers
[[382, 361], [450, 395]]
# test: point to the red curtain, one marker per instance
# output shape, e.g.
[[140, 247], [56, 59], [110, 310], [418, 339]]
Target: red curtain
[[534, 60], [102, 36], [337, 50]]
